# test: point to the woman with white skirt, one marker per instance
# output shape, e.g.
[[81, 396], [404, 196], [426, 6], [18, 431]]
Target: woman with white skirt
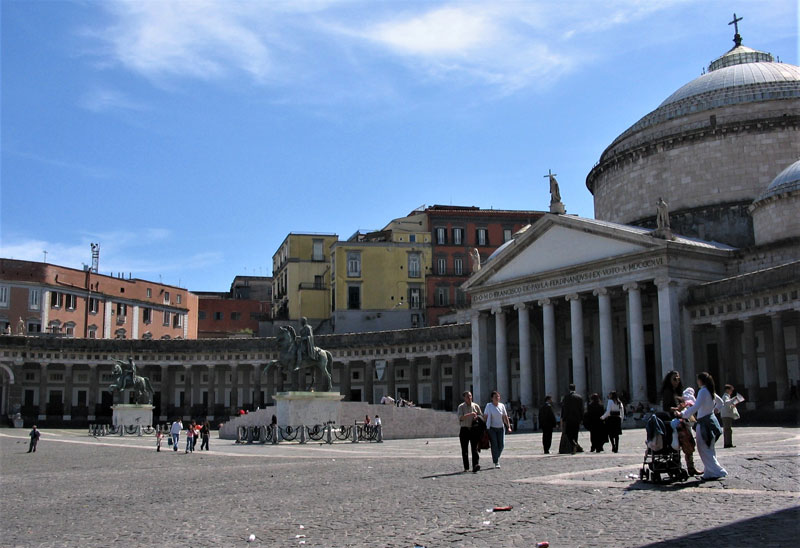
[[708, 428]]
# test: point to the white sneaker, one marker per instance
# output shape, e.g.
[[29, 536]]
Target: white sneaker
[[497, 465]]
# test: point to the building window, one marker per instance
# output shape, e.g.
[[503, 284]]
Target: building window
[[147, 315], [441, 235], [166, 317], [319, 282], [442, 296], [70, 301], [166, 297], [34, 298], [236, 315], [30, 376], [217, 315], [56, 377], [316, 253], [34, 327], [354, 297], [119, 333], [147, 336], [356, 375], [177, 320], [178, 298], [201, 315], [441, 265], [482, 237], [458, 266], [448, 371], [354, 264], [414, 298], [69, 329], [506, 234], [461, 297], [56, 299], [414, 270], [414, 320], [92, 332], [4, 296], [412, 238], [93, 306], [122, 311], [149, 292], [458, 236]]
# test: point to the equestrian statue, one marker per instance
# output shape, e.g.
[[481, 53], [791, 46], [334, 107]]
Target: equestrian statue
[[125, 377], [297, 350]]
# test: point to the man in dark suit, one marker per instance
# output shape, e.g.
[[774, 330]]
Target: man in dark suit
[[547, 421], [571, 417]]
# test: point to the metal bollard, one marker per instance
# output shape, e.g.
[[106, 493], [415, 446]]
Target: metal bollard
[[262, 434], [239, 434], [303, 434], [329, 437], [355, 433], [139, 430]]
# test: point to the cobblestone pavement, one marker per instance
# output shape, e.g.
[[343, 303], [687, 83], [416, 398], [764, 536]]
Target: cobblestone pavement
[[77, 490]]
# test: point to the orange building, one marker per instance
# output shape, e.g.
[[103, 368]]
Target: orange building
[[235, 313], [44, 299]]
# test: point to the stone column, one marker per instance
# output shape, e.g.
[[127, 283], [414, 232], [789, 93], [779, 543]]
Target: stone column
[[636, 334], [234, 388], [42, 391], [723, 355], [94, 382], [67, 392], [413, 377], [751, 363], [578, 351], [436, 382], [369, 381], [525, 364], [344, 379], [167, 392], [257, 385], [501, 353], [550, 364], [669, 323], [607, 376], [779, 360], [187, 391], [688, 344], [390, 379], [480, 357], [212, 389]]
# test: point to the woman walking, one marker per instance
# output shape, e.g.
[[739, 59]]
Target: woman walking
[[708, 429], [594, 423], [190, 432], [205, 432], [496, 422], [614, 415]]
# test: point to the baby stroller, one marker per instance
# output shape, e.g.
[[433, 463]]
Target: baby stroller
[[661, 460]]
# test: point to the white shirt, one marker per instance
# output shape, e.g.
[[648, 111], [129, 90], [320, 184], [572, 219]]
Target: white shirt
[[176, 428], [377, 421], [614, 406], [705, 404], [494, 415]]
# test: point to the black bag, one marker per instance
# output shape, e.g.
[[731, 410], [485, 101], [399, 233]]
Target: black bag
[[169, 441]]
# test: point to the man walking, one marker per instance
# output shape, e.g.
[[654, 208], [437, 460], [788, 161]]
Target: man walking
[[571, 417], [547, 421], [34, 439], [175, 431], [468, 414]]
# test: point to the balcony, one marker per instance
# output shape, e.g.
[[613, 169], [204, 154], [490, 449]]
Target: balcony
[[312, 286]]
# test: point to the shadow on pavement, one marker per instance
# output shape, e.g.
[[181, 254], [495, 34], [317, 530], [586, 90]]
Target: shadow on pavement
[[444, 475], [776, 529]]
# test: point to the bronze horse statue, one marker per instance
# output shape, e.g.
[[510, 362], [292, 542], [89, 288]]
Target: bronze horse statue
[[288, 342], [125, 377]]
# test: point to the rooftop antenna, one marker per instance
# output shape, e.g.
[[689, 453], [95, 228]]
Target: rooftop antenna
[[45, 255], [95, 257]]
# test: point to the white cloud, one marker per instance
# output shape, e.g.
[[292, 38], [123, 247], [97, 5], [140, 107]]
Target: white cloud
[[106, 99]]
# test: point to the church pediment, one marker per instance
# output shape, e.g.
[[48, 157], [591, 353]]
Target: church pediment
[[558, 242]]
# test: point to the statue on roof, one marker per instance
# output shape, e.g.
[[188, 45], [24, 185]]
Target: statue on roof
[[663, 229], [476, 259], [556, 206]]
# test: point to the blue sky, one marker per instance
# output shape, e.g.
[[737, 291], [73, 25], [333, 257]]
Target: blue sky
[[189, 138]]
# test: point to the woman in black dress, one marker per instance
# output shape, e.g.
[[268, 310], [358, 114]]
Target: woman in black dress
[[595, 425]]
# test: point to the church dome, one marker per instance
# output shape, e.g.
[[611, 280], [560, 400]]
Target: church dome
[[709, 149], [787, 181], [775, 210]]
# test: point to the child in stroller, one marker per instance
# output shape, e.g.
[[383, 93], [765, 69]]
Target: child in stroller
[[662, 458]]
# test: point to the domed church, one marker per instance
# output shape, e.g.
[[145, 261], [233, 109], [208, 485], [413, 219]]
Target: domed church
[[692, 262]]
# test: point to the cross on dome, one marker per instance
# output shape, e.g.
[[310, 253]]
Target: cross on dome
[[736, 38]]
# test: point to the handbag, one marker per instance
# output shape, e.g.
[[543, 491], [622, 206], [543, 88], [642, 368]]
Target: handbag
[[484, 441], [169, 441]]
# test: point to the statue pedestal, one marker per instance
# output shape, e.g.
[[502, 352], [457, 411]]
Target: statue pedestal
[[130, 414], [557, 208], [308, 408]]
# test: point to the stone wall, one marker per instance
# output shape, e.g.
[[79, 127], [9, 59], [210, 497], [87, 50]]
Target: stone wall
[[398, 422], [777, 218], [722, 156]]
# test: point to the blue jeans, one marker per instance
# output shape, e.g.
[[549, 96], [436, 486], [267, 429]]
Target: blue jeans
[[496, 441], [189, 444], [175, 439]]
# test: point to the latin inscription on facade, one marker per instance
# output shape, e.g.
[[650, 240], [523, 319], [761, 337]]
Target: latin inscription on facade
[[572, 279]]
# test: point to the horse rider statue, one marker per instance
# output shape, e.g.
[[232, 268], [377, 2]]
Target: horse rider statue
[[305, 344]]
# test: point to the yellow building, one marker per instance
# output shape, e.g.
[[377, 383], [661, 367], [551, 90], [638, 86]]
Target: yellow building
[[378, 278], [300, 269]]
